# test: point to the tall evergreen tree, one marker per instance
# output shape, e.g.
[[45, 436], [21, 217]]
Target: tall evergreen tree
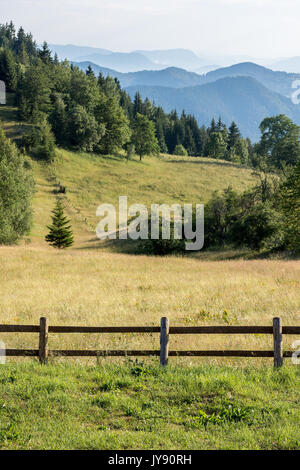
[[143, 137], [60, 231], [215, 146], [137, 104], [33, 94], [90, 72], [233, 137], [45, 54], [8, 69]]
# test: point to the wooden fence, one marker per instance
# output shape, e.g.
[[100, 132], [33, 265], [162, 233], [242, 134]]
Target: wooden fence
[[277, 330]]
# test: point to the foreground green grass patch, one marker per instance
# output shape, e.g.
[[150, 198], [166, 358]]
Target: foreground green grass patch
[[142, 406]]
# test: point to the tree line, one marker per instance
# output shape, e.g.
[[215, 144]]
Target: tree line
[[78, 110]]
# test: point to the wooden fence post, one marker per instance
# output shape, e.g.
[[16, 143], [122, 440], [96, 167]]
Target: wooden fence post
[[164, 341], [43, 343], [277, 337]]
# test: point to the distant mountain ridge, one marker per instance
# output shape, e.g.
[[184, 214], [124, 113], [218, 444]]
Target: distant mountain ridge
[[173, 77], [170, 77], [121, 62], [131, 61], [280, 82], [245, 93], [291, 65], [240, 99], [71, 52], [182, 58], [161, 59]]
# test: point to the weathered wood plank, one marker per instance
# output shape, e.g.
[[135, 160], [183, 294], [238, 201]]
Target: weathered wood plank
[[223, 353], [43, 342], [103, 353], [104, 329], [19, 329], [291, 330], [277, 339], [190, 330], [164, 341], [22, 352]]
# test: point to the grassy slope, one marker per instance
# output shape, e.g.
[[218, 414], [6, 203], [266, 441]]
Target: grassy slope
[[92, 180], [145, 407]]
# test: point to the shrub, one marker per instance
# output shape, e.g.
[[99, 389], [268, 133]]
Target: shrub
[[180, 150], [40, 142], [16, 190]]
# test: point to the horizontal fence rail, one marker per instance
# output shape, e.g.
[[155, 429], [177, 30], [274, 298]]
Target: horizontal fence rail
[[277, 330]]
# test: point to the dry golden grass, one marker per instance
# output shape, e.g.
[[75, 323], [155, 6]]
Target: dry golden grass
[[88, 287], [92, 180]]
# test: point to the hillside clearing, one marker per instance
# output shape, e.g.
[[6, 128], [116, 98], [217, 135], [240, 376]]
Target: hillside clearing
[[92, 180]]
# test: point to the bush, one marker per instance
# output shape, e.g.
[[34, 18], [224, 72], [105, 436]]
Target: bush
[[16, 189], [250, 219], [256, 227], [180, 150], [40, 142], [162, 247]]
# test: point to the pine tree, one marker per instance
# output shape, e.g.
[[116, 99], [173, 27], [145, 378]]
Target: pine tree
[[137, 104], [213, 127], [45, 53], [8, 70], [60, 232], [233, 138], [90, 72]]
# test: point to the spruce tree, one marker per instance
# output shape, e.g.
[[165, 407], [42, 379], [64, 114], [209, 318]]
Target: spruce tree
[[233, 137], [45, 53], [8, 69], [60, 231]]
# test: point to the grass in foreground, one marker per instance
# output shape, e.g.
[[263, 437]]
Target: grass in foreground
[[138, 406]]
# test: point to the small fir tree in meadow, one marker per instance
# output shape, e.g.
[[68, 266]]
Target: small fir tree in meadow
[[60, 231]]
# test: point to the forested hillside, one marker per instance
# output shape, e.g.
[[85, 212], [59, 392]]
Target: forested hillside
[[240, 99], [55, 104]]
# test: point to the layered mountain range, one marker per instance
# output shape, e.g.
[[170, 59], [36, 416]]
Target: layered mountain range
[[245, 92]]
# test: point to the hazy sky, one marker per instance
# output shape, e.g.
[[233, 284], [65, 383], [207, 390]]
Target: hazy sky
[[258, 28]]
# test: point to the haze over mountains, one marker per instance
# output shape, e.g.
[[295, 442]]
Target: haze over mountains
[[240, 99], [245, 92], [133, 61]]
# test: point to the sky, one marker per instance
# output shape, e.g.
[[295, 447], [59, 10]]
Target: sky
[[254, 28]]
